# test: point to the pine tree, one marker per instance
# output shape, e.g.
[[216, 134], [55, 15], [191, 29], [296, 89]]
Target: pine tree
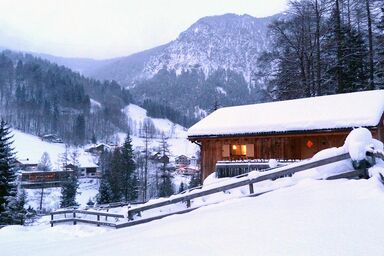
[[105, 192], [8, 189], [17, 214], [69, 190], [380, 51], [166, 186], [128, 172], [195, 181], [182, 187]]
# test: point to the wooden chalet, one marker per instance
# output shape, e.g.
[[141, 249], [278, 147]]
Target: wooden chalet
[[293, 129], [39, 179]]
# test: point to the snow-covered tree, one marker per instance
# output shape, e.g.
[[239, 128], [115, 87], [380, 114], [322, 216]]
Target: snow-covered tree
[[129, 185], [105, 192], [16, 212], [45, 163], [70, 184], [68, 191], [8, 189], [165, 186], [45, 166]]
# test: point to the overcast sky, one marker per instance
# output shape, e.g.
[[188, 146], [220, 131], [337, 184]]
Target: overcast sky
[[110, 28]]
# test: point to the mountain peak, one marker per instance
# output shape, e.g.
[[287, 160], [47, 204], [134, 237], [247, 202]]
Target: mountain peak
[[228, 41]]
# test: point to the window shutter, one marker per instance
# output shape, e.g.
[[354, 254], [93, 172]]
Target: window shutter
[[250, 150], [225, 151]]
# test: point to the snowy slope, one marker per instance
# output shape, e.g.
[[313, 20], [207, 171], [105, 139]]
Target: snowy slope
[[342, 217], [179, 145], [32, 148]]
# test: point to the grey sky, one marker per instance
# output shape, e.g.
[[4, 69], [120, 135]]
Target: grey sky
[[110, 28]]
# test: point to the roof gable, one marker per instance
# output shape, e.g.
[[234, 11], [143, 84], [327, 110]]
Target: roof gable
[[325, 112]]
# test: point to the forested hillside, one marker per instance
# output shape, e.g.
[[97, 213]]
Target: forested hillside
[[42, 98], [325, 47], [194, 94]]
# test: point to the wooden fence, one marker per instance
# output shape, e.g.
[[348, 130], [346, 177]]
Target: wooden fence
[[267, 175], [243, 180], [78, 216]]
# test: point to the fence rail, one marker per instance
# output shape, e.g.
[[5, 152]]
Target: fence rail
[[242, 180], [267, 175], [74, 217]]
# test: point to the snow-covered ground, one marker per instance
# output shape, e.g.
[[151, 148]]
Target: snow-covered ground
[[341, 217], [304, 216]]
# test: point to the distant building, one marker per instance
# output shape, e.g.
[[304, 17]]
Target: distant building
[[88, 170], [39, 179], [51, 138], [98, 149], [26, 164], [182, 160], [183, 170]]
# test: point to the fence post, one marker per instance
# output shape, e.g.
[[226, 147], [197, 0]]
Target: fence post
[[51, 219], [98, 220], [74, 217], [188, 203], [130, 215], [251, 191]]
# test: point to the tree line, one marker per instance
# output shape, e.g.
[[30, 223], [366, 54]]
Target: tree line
[[325, 47], [39, 97]]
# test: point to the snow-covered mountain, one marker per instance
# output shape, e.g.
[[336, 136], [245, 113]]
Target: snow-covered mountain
[[227, 41]]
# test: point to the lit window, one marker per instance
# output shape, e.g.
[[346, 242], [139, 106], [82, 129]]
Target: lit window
[[239, 150]]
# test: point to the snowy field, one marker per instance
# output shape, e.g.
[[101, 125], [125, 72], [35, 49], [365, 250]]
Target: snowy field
[[303, 216], [341, 217]]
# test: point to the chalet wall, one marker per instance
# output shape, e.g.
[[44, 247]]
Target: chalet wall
[[283, 146]]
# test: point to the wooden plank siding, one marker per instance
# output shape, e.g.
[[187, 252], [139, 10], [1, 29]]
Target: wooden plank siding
[[300, 145]]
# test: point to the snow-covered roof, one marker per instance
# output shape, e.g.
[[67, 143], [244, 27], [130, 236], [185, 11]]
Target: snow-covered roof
[[325, 112]]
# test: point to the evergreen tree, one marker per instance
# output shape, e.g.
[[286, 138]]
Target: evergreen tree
[[380, 49], [17, 214], [105, 192], [70, 185], [182, 187], [195, 181], [8, 189], [128, 172], [166, 186], [68, 191]]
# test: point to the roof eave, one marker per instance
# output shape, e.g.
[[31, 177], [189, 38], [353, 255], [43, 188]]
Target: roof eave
[[272, 133]]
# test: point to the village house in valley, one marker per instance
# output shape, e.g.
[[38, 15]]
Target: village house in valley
[[293, 129]]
